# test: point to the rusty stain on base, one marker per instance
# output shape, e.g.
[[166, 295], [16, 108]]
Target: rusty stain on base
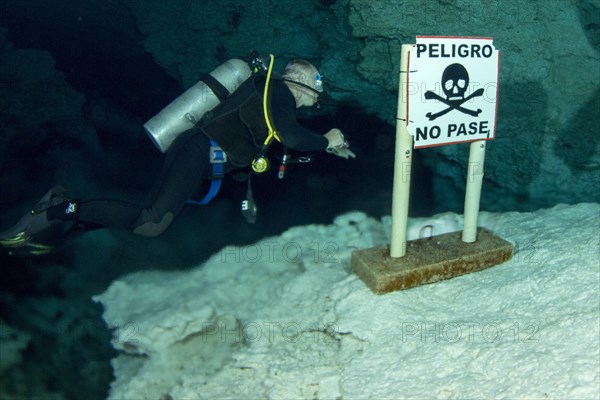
[[429, 260]]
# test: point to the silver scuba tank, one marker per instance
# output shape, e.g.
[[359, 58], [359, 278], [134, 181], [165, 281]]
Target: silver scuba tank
[[186, 110]]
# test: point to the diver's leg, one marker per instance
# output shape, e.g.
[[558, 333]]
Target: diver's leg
[[37, 220], [55, 215], [186, 166]]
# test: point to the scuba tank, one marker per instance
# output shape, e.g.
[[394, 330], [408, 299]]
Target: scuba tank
[[189, 108]]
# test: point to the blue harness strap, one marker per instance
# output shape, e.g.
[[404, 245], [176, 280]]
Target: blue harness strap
[[217, 158]]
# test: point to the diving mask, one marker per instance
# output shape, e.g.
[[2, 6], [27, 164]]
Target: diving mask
[[318, 83]]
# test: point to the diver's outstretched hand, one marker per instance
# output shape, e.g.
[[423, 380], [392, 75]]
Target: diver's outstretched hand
[[343, 152], [338, 145]]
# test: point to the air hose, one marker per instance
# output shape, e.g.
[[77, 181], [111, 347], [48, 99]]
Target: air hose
[[261, 163]]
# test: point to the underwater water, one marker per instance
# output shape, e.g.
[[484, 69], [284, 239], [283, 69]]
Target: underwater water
[[78, 79]]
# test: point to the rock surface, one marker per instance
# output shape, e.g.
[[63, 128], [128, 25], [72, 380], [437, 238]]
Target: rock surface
[[285, 318]]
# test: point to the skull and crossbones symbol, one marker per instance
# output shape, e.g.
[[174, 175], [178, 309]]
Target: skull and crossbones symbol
[[455, 80]]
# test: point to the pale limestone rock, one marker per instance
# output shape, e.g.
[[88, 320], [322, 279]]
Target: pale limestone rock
[[285, 318]]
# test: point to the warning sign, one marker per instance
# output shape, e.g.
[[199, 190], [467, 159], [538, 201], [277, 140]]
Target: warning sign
[[452, 90]]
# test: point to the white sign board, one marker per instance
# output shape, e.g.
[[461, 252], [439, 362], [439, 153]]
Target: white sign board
[[452, 90]]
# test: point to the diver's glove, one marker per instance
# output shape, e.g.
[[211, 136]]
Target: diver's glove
[[338, 145], [343, 152]]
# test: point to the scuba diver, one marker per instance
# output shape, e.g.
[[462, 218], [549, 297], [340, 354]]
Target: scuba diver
[[233, 136]]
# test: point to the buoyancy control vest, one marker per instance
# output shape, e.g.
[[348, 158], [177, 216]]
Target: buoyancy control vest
[[238, 124]]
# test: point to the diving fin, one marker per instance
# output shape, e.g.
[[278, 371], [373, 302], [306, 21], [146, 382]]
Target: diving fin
[[33, 225]]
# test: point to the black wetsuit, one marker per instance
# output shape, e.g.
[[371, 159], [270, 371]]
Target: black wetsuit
[[186, 166]]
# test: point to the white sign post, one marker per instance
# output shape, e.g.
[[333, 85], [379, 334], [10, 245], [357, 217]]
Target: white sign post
[[402, 165]]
